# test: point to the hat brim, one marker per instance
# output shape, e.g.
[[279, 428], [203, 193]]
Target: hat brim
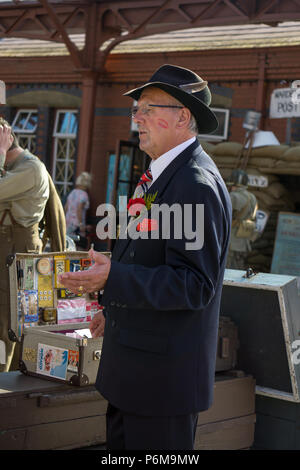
[[206, 119]]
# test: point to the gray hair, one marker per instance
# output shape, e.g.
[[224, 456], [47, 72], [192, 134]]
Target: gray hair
[[193, 126], [84, 179]]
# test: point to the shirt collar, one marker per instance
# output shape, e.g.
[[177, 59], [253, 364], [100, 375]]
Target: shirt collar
[[9, 166], [160, 164]]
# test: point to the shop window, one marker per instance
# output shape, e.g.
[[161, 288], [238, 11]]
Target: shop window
[[64, 134], [24, 126], [222, 132]]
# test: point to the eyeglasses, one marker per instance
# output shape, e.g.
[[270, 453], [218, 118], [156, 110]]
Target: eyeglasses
[[145, 108]]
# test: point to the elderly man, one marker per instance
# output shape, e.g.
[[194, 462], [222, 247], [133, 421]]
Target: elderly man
[[162, 293]]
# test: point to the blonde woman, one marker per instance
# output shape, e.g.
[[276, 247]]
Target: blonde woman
[[77, 204]]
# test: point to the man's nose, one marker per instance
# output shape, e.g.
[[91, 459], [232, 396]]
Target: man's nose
[[137, 117]]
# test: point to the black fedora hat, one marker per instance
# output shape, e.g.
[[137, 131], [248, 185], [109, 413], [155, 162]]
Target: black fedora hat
[[188, 88]]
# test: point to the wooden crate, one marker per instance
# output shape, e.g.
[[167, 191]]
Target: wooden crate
[[37, 414]]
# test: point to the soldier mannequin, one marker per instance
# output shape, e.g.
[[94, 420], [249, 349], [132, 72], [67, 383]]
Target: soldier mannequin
[[244, 206]]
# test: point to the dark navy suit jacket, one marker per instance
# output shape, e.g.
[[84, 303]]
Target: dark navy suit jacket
[[162, 301]]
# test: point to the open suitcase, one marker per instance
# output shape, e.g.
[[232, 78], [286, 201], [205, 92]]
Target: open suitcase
[[50, 322]]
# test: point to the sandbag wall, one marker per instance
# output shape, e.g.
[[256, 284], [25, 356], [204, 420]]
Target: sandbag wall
[[273, 199]]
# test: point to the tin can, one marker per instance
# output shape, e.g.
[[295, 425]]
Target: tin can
[[49, 314]]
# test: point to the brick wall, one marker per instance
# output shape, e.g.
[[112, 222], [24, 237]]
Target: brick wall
[[236, 69]]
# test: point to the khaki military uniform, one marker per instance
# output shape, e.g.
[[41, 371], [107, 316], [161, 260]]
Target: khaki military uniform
[[244, 206], [24, 190]]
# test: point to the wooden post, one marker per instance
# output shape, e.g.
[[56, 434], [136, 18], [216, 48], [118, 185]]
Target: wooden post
[[260, 94], [86, 123]]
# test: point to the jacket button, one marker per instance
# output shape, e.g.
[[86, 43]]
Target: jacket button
[[132, 254], [113, 323]]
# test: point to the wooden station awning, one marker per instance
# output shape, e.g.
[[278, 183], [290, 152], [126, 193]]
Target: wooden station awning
[[106, 24]]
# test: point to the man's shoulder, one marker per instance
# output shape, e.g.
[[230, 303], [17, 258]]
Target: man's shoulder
[[200, 168], [31, 159]]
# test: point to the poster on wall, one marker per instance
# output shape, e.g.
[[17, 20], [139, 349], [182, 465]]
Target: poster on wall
[[286, 253]]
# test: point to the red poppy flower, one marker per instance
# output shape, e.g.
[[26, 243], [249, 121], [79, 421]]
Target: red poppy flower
[[135, 206]]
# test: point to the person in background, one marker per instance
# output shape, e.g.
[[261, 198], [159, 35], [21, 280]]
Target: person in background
[[24, 192], [244, 207], [161, 297], [77, 205]]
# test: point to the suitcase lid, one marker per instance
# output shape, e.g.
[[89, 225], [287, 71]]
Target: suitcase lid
[[265, 308], [20, 292]]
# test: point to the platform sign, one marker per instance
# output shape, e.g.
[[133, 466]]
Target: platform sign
[[285, 102], [286, 254]]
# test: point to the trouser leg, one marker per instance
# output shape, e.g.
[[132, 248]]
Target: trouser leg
[[131, 432]]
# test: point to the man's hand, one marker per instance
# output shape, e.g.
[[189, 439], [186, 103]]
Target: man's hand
[[97, 325], [6, 139], [91, 280]]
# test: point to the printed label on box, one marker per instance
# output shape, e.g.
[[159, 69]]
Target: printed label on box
[[45, 291], [28, 306], [73, 361], [52, 361], [71, 309]]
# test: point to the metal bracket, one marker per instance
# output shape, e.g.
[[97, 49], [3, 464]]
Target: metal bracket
[[22, 367], [79, 380], [97, 355], [12, 336], [9, 260], [249, 273]]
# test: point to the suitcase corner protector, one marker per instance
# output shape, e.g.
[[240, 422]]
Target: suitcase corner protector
[[79, 380], [12, 336], [22, 367]]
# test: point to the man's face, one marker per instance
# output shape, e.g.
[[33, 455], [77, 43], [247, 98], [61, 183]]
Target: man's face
[[157, 126]]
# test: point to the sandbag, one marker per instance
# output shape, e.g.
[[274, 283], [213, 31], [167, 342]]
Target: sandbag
[[262, 162], [288, 164], [225, 161], [276, 190], [292, 154], [228, 148], [207, 147], [269, 151]]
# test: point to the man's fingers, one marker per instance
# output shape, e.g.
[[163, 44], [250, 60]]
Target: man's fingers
[[97, 325], [99, 258]]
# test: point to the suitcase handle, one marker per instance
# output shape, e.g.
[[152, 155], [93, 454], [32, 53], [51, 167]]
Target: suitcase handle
[[66, 398]]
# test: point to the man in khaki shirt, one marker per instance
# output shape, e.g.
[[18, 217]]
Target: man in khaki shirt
[[24, 191]]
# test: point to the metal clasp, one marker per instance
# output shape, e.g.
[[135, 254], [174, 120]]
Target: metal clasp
[[97, 355]]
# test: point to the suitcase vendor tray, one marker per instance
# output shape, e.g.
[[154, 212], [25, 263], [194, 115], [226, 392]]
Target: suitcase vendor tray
[[49, 321]]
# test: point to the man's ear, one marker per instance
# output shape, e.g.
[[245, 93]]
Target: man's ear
[[184, 118]]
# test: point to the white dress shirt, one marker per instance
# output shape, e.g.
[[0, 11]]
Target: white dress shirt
[[160, 164]]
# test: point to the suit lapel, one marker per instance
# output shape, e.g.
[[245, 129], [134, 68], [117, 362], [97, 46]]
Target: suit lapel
[[159, 186]]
